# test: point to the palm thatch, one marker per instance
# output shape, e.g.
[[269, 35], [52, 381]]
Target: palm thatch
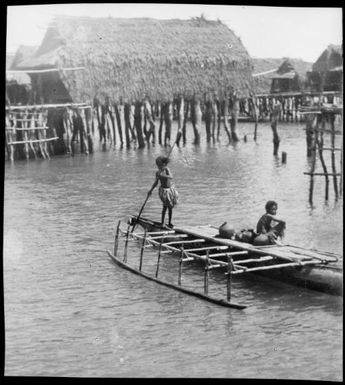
[[330, 58], [267, 69], [129, 59]]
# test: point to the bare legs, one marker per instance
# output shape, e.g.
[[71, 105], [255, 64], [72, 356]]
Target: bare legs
[[169, 213]]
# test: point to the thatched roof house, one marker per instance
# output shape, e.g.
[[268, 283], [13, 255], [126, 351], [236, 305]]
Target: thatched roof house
[[18, 84], [265, 70], [327, 71], [129, 59]]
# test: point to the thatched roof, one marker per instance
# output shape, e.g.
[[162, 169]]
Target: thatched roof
[[133, 58], [277, 68], [330, 58], [23, 53]]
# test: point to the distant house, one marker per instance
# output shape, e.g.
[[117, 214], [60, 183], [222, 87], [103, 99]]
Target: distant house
[[327, 71], [286, 79], [18, 83], [83, 58], [279, 75]]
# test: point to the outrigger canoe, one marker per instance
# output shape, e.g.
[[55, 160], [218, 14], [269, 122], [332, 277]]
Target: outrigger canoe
[[309, 268]]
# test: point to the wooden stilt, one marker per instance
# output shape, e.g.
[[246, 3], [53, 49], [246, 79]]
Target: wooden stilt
[[126, 245], [142, 250], [168, 116], [196, 119], [335, 182], [312, 169], [274, 123], [180, 267], [284, 155], [226, 116], [116, 243], [319, 143], [228, 281], [234, 117], [159, 257], [206, 273]]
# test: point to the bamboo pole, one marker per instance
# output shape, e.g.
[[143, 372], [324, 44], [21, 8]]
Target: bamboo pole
[[126, 245], [116, 243], [142, 251]]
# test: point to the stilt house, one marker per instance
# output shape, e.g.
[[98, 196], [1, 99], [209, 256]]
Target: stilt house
[[327, 71], [279, 75], [125, 60]]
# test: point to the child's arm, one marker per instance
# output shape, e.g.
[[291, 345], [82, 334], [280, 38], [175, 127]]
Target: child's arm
[[154, 185]]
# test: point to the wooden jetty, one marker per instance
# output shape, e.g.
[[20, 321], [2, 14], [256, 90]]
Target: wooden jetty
[[292, 264]]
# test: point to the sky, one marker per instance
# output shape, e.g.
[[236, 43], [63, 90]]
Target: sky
[[266, 32]]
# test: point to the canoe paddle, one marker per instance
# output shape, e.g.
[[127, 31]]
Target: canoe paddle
[[178, 136]]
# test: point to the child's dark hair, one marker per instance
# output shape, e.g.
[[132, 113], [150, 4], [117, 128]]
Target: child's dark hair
[[162, 160], [269, 204]]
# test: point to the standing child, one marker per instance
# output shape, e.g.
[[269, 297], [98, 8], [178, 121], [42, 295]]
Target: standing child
[[167, 192]]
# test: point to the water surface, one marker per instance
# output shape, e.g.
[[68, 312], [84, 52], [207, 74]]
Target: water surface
[[69, 311]]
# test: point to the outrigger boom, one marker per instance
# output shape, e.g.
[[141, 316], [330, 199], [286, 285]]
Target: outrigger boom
[[296, 265]]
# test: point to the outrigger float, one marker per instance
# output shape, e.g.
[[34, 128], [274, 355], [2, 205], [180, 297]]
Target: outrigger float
[[310, 268]]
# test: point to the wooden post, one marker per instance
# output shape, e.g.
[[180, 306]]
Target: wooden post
[[196, 119], [180, 266], [225, 115], [208, 119], [88, 125], [312, 168], [319, 143], [149, 116], [168, 116], [127, 124], [228, 281], [206, 273], [116, 244], [137, 123], [118, 110], [311, 121], [161, 121], [214, 119], [180, 121], [159, 256], [126, 245], [111, 113], [274, 123], [234, 117], [284, 155], [142, 250], [335, 182]]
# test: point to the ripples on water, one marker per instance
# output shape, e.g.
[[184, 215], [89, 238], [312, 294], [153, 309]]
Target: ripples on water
[[70, 312]]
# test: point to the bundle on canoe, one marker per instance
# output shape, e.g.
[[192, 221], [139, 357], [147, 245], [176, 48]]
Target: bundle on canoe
[[312, 269]]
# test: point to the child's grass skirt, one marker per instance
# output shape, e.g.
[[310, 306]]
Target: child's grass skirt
[[168, 196]]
